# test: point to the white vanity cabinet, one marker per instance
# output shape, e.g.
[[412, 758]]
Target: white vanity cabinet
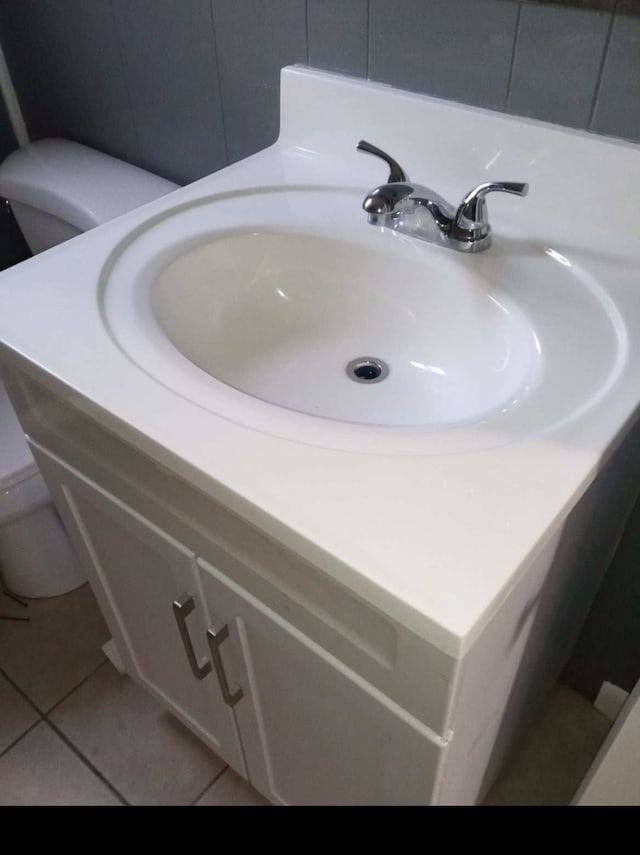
[[255, 688], [313, 732], [137, 572]]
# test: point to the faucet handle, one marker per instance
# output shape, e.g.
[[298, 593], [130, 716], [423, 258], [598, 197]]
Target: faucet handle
[[396, 172], [473, 208]]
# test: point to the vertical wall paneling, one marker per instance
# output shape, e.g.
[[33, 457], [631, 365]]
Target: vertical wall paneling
[[338, 35], [78, 56], [168, 52], [617, 109], [184, 86], [458, 49], [594, 5], [255, 39], [556, 43]]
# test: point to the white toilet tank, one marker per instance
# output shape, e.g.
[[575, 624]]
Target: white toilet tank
[[58, 189]]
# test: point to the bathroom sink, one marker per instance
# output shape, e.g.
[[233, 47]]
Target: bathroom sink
[[403, 466], [289, 298], [332, 328]]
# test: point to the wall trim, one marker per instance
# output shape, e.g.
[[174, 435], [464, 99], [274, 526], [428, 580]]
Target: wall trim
[[11, 102]]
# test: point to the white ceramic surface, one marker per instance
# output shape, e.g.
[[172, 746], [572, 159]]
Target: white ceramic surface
[[275, 293], [76, 184], [282, 314], [459, 512], [275, 303]]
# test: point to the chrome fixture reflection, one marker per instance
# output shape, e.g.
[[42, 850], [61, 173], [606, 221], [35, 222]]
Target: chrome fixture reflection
[[422, 213]]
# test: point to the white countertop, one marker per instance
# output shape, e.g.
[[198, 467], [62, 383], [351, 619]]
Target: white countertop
[[435, 540]]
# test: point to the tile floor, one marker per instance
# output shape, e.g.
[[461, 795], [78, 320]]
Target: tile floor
[[548, 766], [75, 732]]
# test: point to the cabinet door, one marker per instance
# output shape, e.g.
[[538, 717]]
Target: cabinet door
[[313, 732], [137, 572]]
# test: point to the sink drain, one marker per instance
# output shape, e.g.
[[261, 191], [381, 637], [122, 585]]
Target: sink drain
[[367, 369]]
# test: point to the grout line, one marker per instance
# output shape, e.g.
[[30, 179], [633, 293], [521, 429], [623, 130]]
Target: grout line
[[116, 32], [368, 26], [219, 76], [512, 64], [42, 716], [87, 762], [77, 686], [603, 60], [22, 735], [20, 691], [210, 784]]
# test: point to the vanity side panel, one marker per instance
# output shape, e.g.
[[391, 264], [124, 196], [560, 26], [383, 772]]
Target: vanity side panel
[[507, 673], [407, 669]]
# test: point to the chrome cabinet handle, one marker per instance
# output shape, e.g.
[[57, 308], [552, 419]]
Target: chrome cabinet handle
[[215, 639], [182, 607]]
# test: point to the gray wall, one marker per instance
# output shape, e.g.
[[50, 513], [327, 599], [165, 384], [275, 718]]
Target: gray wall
[[183, 87], [609, 645]]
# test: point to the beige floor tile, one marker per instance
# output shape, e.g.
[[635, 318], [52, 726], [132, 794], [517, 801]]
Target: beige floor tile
[[16, 714], [555, 754], [231, 789], [41, 770], [57, 649], [146, 754]]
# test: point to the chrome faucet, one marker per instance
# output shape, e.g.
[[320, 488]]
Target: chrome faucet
[[422, 213]]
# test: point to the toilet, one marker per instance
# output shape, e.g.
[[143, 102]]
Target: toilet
[[57, 189]]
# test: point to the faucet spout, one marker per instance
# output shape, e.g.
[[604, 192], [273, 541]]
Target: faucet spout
[[394, 205], [387, 198]]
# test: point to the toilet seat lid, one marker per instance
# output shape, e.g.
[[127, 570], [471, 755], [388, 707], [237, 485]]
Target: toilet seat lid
[[16, 460]]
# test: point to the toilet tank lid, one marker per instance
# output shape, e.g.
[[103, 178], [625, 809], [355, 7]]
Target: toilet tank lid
[[76, 183], [15, 457]]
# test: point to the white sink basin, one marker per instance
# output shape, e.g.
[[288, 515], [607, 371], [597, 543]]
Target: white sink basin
[[289, 296], [281, 316]]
